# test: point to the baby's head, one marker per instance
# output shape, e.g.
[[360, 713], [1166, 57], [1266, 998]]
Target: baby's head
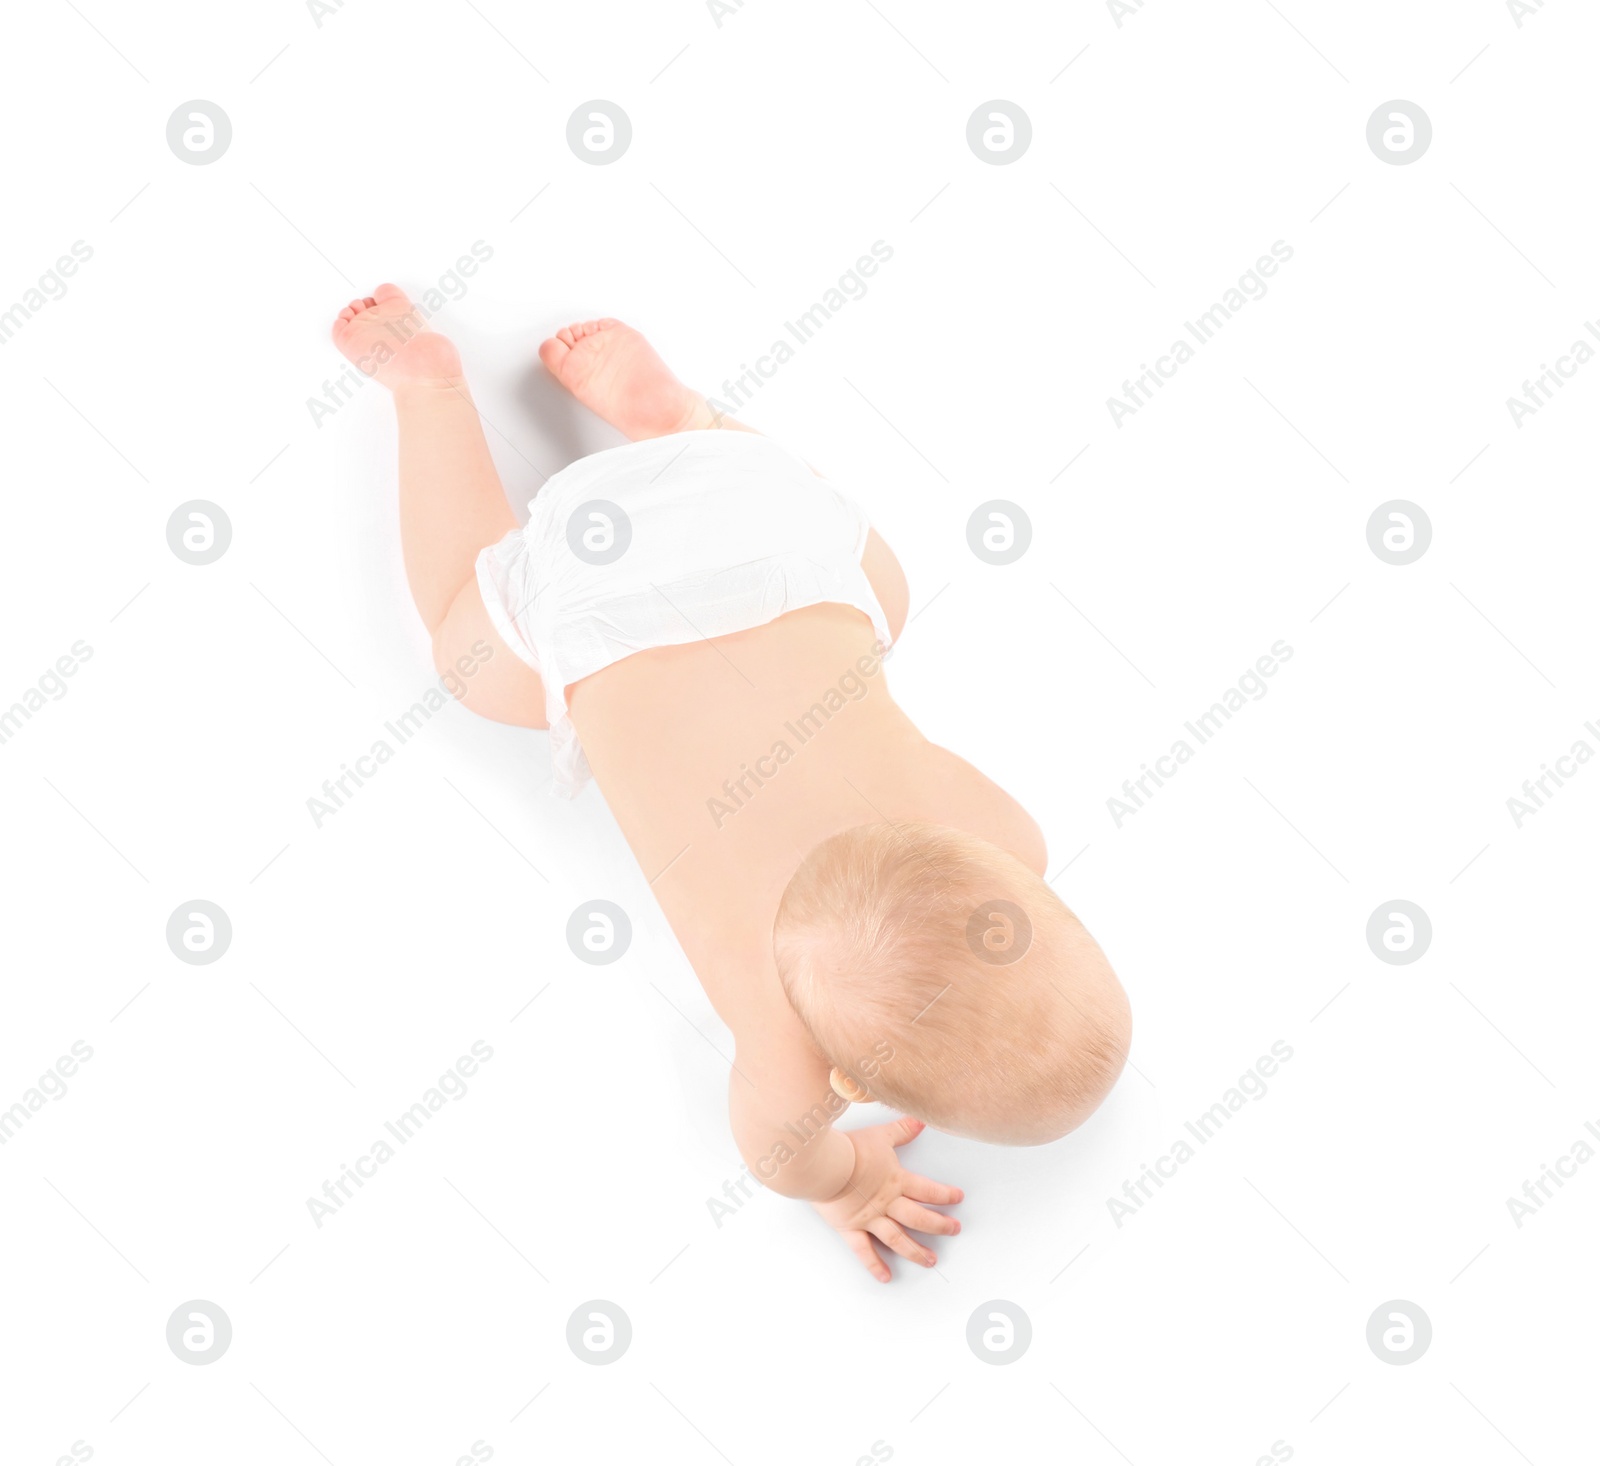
[[940, 975]]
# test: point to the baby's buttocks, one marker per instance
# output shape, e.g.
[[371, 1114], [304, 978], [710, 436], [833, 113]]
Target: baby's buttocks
[[663, 542]]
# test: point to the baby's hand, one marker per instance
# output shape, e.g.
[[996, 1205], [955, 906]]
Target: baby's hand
[[881, 1199]]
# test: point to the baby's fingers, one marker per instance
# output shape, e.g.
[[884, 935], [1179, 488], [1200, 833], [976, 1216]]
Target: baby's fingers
[[893, 1236], [920, 1188], [909, 1214], [861, 1244]]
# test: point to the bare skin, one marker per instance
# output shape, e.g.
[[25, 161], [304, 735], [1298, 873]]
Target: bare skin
[[717, 875]]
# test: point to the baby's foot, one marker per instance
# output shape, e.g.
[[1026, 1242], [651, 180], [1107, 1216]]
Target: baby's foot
[[615, 373], [388, 338]]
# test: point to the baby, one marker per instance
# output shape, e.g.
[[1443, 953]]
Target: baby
[[700, 621]]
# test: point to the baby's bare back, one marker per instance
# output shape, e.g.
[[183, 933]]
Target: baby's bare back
[[726, 761]]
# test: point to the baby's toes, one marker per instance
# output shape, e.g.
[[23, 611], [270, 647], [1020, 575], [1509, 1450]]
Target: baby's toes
[[553, 352]]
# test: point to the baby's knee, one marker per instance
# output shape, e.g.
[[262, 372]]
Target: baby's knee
[[477, 668]]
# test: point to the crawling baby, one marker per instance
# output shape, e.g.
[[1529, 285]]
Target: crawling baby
[[700, 621]]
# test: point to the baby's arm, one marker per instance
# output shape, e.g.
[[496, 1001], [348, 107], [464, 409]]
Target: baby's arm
[[782, 1108]]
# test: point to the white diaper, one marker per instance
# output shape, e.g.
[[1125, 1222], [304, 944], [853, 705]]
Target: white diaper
[[723, 530]]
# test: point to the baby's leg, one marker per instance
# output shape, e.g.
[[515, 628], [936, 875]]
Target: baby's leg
[[616, 374], [451, 502], [451, 507]]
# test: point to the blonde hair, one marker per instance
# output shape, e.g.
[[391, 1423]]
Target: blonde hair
[[950, 981]]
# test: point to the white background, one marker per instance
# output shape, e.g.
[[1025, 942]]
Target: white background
[[1228, 1314]]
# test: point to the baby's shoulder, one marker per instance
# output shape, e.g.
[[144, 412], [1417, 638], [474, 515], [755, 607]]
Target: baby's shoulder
[[965, 798]]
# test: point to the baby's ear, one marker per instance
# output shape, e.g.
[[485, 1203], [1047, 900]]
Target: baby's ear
[[847, 1089]]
